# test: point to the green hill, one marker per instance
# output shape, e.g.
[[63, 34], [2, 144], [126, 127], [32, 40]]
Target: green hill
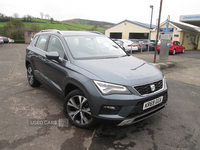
[[62, 25], [102, 24]]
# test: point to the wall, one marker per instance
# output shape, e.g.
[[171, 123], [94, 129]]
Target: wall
[[27, 36], [198, 44], [126, 28]]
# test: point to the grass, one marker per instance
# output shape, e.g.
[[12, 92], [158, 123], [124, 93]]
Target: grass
[[60, 25]]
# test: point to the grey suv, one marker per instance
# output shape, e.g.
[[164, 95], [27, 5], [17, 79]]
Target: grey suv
[[97, 79]]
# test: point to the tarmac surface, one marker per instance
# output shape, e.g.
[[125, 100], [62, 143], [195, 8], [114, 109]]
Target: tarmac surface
[[175, 127]]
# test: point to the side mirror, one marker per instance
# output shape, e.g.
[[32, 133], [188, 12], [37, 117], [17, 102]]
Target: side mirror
[[53, 55]]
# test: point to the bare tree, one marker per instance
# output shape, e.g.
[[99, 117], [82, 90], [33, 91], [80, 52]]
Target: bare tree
[[16, 15], [42, 15], [47, 16]]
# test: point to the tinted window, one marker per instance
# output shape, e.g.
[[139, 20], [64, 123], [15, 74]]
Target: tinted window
[[41, 42], [55, 45]]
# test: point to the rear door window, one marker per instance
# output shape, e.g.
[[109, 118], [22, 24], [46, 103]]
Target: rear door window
[[41, 42]]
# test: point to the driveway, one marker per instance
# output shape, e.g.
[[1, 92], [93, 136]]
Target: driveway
[[175, 127]]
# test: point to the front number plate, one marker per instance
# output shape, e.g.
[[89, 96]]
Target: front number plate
[[152, 103]]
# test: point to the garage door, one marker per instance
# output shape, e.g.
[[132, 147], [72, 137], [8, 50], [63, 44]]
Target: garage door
[[138, 35], [116, 35]]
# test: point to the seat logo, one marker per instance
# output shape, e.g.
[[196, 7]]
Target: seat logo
[[152, 87]]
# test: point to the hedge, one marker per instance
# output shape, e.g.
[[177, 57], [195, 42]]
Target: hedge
[[19, 41]]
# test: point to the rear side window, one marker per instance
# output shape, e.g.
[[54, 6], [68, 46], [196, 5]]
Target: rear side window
[[41, 42]]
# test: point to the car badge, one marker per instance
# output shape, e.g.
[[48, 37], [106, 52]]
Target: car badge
[[152, 87]]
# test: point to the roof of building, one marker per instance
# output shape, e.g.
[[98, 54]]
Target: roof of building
[[185, 27], [181, 27], [144, 25]]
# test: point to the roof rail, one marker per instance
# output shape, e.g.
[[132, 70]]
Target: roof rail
[[96, 32], [52, 30]]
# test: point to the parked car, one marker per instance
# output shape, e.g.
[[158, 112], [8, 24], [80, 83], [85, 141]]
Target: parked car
[[151, 44], [120, 43], [140, 44], [11, 40], [174, 47], [5, 39], [129, 45], [97, 79], [1, 40]]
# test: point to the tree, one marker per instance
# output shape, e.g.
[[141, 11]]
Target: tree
[[47, 16], [29, 17], [24, 18], [94, 28], [13, 29], [51, 20], [16, 15], [42, 15]]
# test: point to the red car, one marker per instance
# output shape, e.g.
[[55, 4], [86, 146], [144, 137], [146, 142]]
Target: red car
[[174, 47]]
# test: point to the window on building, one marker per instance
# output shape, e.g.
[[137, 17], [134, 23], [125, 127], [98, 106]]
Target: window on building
[[191, 39]]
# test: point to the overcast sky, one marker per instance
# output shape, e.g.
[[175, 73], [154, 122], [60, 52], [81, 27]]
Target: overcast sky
[[113, 11]]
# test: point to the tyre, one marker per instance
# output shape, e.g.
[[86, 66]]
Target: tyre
[[174, 52], [77, 110], [183, 50], [30, 76]]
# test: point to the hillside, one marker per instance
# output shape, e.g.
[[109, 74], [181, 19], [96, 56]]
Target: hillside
[[102, 24], [64, 25]]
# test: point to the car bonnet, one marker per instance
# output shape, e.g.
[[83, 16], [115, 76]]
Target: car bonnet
[[125, 70]]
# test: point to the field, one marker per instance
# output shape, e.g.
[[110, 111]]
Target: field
[[60, 25]]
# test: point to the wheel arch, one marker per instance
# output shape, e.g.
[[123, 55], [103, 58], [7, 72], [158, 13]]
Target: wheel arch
[[72, 85], [27, 63]]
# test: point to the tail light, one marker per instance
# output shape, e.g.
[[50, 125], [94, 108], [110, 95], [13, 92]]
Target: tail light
[[129, 45], [138, 44]]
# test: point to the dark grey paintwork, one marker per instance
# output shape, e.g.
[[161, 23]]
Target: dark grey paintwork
[[127, 71]]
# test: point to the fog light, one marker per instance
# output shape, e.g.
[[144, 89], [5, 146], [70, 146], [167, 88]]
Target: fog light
[[110, 109]]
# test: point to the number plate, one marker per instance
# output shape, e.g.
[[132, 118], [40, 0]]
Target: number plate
[[133, 45], [152, 103]]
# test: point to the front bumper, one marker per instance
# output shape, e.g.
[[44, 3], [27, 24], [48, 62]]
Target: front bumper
[[135, 114]]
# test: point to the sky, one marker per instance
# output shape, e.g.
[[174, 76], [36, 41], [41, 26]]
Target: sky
[[113, 11]]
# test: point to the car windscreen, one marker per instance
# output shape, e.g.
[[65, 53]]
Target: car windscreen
[[91, 47]]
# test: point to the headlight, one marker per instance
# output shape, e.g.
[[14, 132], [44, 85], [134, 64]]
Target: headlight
[[108, 88]]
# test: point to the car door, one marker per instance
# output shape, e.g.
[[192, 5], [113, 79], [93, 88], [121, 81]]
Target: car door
[[179, 46], [38, 55], [55, 71], [175, 45]]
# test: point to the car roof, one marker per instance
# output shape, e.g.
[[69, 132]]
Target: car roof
[[71, 33]]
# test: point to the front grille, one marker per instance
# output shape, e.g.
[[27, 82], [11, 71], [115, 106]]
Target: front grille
[[138, 109], [146, 89]]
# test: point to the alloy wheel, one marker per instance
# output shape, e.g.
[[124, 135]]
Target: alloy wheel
[[78, 110]]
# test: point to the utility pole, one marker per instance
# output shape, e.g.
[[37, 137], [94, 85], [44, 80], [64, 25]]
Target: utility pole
[[158, 28], [151, 6]]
